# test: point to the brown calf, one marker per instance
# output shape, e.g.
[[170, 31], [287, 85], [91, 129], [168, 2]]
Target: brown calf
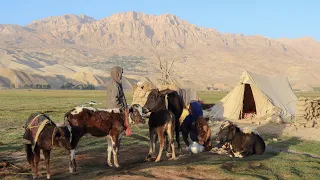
[[100, 123], [161, 122], [204, 133]]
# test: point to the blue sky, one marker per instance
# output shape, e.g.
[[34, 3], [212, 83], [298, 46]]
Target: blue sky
[[271, 18]]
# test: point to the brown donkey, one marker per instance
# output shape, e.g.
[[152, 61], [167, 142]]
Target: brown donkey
[[43, 133]]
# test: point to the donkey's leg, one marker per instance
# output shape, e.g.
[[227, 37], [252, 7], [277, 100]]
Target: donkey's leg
[[152, 144], [72, 163], [115, 150], [109, 140], [160, 132], [170, 132], [36, 161], [46, 154]]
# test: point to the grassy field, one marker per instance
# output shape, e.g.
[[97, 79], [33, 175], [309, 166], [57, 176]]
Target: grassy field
[[302, 162]]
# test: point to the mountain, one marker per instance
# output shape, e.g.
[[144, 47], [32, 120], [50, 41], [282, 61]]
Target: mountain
[[75, 46]]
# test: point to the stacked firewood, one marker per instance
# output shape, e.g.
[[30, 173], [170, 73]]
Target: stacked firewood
[[308, 112]]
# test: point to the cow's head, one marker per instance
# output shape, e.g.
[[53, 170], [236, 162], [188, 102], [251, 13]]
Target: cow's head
[[156, 100], [61, 137], [227, 132], [135, 114]]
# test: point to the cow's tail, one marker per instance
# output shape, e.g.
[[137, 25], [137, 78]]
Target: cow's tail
[[29, 152]]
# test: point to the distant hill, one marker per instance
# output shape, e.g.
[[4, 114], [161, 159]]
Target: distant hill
[[84, 49]]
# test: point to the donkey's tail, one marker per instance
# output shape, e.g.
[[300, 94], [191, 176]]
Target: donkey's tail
[[29, 152]]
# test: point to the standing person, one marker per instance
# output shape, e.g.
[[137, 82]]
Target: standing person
[[115, 94]]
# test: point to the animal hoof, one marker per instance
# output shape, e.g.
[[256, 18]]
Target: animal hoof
[[157, 160], [34, 176], [71, 170], [109, 164], [170, 159], [169, 155], [48, 176], [117, 165]]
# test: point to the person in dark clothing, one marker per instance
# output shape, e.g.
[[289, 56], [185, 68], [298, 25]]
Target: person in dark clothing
[[188, 126]]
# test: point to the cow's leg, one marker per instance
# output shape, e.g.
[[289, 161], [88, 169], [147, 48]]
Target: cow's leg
[[170, 132], [115, 150], [152, 144], [46, 154], [118, 144], [160, 132], [36, 161], [177, 129], [74, 143], [109, 140]]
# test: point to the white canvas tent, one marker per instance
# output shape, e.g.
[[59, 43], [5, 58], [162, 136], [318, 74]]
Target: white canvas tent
[[259, 94]]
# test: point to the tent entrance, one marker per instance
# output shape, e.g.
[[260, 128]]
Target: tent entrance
[[249, 105]]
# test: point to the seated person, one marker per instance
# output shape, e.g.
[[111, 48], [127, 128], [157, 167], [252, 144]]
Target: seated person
[[188, 126]]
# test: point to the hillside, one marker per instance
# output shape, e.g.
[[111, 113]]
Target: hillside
[[71, 45]]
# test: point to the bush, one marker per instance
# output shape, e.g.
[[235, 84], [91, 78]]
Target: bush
[[69, 85]]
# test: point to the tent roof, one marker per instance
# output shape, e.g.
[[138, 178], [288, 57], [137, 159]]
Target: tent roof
[[276, 88]]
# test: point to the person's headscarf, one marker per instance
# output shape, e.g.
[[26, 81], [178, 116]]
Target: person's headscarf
[[196, 110], [116, 73]]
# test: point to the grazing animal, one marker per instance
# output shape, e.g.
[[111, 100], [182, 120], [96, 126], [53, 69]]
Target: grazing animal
[[43, 133], [100, 123], [167, 99], [160, 122], [242, 142]]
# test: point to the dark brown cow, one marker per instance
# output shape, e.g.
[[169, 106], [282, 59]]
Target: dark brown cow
[[43, 133], [100, 123], [167, 99], [242, 142]]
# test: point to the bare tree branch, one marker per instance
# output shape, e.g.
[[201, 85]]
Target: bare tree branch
[[169, 70]]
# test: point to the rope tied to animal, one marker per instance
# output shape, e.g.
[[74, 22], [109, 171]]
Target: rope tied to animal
[[53, 135], [126, 124], [30, 124]]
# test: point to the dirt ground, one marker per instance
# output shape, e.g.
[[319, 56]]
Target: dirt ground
[[92, 164]]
